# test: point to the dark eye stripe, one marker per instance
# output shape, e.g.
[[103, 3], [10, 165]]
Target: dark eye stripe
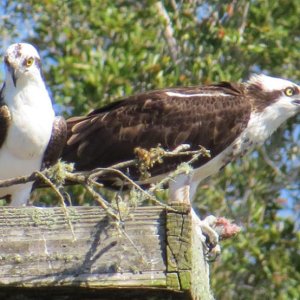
[[296, 90], [38, 62], [25, 62]]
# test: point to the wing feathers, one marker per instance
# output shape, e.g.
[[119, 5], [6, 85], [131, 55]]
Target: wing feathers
[[5, 120], [210, 116], [56, 143]]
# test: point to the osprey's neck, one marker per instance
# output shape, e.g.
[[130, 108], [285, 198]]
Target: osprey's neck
[[32, 94], [269, 111]]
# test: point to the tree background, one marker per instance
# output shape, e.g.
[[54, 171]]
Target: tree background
[[94, 52]]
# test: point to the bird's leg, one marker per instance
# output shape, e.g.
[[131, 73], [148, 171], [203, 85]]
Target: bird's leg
[[214, 229], [182, 189], [179, 189], [207, 233], [20, 194]]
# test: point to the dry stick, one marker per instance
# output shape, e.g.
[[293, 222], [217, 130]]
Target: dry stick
[[96, 184], [18, 180], [179, 151], [148, 195], [88, 176], [102, 202], [168, 31], [270, 162], [35, 175], [81, 177], [244, 18], [61, 198], [174, 173], [121, 165], [134, 245], [87, 179]]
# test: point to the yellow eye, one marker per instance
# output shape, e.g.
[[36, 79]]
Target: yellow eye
[[29, 61], [289, 92]]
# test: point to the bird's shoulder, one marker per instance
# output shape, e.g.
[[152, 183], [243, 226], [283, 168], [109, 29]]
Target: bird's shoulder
[[5, 117], [56, 143]]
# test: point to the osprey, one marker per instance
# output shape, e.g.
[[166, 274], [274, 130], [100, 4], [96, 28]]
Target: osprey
[[228, 119], [27, 122]]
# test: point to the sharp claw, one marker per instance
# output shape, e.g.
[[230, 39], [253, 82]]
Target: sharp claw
[[212, 237], [211, 230], [208, 235], [213, 253]]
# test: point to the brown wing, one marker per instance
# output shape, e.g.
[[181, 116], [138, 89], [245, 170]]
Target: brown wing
[[109, 135], [57, 142], [5, 118]]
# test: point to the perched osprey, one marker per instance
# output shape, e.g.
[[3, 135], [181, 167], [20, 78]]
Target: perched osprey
[[27, 122], [226, 118]]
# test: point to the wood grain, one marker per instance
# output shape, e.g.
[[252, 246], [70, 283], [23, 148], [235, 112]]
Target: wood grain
[[38, 252]]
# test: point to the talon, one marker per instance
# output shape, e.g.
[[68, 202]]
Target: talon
[[211, 236], [208, 235], [213, 253]]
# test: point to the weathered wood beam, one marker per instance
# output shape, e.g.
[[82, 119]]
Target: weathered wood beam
[[153, 252]]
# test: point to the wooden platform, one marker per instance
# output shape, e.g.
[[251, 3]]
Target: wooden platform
[[152, 254]]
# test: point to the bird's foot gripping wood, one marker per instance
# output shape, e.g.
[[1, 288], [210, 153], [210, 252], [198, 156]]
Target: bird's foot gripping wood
[[212, 230], [208, 235]]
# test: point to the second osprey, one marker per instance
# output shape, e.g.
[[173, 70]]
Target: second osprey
[[30, 134]]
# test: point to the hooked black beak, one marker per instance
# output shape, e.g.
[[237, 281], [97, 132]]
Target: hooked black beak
[[297, 102], [12, 71], [13, 76]]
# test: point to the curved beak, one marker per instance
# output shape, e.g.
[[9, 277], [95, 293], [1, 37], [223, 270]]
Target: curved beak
[[297, 102], [11, 70]]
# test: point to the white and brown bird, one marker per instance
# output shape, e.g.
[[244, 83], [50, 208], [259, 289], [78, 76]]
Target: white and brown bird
[[30, 134], [228, 119]]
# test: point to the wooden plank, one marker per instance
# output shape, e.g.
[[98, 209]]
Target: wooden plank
[[187, 267], [37, 247], [151, 251]]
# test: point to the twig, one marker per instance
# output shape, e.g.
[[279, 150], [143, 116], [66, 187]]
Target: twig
[[102, 202], [61, 198], [18, 180], [120, 173], [168, 31], [271, 163], [89, 178], [196, 154], [82, 177], [50, 184], [133, 245], [244, 18]]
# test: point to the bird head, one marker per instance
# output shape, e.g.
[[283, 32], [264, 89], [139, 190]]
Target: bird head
[[280, 95], [22, 63]]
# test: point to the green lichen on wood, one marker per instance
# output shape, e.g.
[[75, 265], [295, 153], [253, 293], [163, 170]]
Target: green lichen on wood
[[179, 243], [173, 281], [185, 280], [39, 217]]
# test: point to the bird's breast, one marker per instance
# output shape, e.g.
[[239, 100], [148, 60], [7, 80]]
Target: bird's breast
[[30, 131]]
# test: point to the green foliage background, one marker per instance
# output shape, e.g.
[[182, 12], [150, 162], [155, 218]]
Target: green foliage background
[[97, 51]]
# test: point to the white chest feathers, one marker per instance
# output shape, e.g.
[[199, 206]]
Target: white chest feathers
[[261, 126], [31, 125]]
